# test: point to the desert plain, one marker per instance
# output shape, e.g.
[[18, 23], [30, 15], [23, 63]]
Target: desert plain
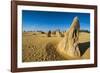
[[40, 46]]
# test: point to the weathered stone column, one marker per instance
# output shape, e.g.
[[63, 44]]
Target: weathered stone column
[[68, 47]]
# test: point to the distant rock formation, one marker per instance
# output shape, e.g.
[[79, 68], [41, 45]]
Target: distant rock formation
[[68, 47], [49, 33]]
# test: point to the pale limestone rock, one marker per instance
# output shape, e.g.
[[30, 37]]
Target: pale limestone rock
[[68, 47]]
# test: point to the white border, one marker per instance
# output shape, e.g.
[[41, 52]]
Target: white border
[[20, 64]]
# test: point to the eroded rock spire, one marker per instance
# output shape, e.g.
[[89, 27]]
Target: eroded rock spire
[[68, 47]]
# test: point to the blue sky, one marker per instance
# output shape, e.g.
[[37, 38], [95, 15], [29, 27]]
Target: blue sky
[[47, 20]]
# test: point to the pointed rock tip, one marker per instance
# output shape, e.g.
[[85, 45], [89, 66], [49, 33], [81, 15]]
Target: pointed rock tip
[[75, 22], [75, 18]]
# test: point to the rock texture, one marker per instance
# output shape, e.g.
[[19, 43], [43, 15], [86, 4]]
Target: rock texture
[[68, 47]]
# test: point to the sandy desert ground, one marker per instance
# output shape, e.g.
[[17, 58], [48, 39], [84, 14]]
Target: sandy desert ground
[[37, 46]]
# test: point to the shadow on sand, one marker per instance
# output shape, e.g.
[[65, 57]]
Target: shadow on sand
[[83, 47]]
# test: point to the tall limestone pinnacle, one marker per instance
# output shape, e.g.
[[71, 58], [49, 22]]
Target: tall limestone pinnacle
[[75, 22], [68, 47]]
